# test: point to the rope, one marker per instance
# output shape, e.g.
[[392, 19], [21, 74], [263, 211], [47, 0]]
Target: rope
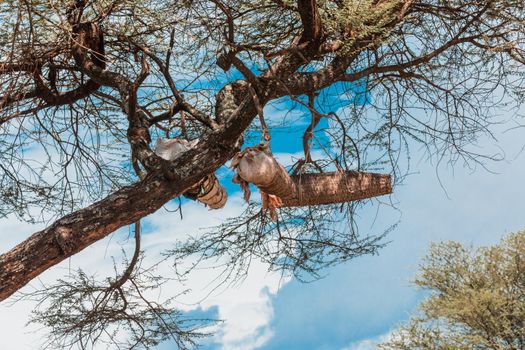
[[265, 133]]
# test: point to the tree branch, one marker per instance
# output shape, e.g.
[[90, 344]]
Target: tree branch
[[76, 231]]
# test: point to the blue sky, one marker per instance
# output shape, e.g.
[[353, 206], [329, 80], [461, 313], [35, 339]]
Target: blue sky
[[357, 302], [364, 298], [360, 301]]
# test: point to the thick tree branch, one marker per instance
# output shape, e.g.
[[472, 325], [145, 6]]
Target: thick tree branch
[[76, 231], [311, 21]]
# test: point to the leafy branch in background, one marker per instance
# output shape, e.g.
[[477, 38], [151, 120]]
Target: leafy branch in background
[[476, 299]]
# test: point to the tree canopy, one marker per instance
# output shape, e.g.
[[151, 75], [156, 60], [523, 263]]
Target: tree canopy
[[476, 299], [88, 87]]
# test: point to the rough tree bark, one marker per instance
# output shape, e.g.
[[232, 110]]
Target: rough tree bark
[[76, 231]]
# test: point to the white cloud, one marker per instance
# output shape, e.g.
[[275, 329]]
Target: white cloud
[[369, 343], [246, 307], [247, 311]]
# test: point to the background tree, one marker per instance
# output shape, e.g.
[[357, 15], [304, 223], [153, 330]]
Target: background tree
[[86, 86], [476, 299]]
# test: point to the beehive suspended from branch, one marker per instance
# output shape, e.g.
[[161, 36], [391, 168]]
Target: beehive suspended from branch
[[257, 165], [336, 187], [208, 191]]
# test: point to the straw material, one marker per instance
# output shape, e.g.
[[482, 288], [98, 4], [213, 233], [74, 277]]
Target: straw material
[[336, 187]]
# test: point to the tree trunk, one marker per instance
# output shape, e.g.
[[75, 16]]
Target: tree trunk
[[76, 231], [209, 191]]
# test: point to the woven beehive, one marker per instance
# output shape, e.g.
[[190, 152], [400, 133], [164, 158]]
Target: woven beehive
[[258, 166]]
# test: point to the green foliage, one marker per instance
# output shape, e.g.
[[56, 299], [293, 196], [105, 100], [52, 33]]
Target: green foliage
[[353, 20], [477, 299]]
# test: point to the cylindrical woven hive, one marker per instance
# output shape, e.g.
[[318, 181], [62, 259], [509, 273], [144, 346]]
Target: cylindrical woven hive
[[336, 187], [212, 193], [257, 165]]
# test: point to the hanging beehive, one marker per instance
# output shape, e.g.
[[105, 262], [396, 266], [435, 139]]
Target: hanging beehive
[[209, 191], [279, 189]]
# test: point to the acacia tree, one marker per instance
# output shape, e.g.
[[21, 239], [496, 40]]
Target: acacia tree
[[88, 85], [475, 302]]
